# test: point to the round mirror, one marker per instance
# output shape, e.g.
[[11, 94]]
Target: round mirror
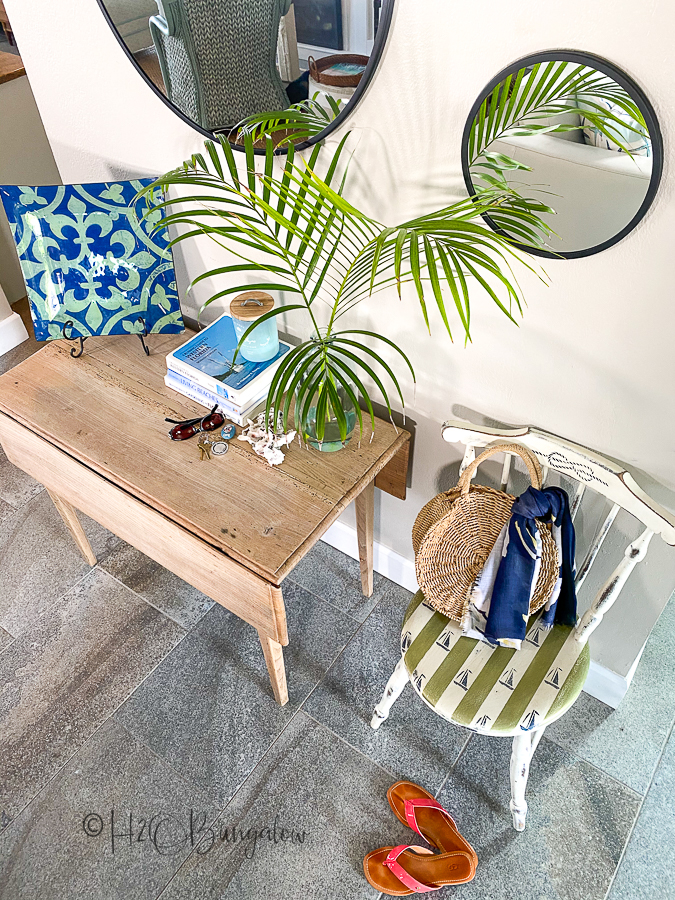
[[289, 68], [563, 153]]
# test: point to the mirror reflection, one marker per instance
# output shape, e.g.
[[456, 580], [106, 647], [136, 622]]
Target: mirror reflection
[[567, 153], [230, 65]]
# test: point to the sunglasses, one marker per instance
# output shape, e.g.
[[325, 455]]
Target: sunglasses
[[183, 430]]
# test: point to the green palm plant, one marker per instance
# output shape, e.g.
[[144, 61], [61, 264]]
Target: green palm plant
[[296, 232], [528, 102], [293, 125]]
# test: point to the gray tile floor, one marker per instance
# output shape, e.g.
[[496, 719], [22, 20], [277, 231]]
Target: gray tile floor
[[142, 754]]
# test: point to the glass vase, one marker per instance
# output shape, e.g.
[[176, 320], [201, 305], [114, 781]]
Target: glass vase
[[331, 440]]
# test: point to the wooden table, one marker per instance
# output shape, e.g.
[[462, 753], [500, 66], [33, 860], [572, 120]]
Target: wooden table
[[11, 66], [92, 430]]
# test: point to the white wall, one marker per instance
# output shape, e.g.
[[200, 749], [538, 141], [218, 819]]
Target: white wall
[[25, 158], [593, 357]]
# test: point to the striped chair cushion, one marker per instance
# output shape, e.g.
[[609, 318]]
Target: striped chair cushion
[[488, 689]]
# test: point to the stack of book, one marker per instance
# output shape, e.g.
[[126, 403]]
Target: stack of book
[[202, 370]]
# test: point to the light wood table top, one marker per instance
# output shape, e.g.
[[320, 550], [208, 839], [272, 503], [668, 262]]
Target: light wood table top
[[107, 409], [11, 67]]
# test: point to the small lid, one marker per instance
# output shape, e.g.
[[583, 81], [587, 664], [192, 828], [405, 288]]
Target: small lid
[[251, 305]]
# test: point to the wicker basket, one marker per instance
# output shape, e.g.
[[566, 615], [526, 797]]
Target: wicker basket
[[455, 532], [318, 74]]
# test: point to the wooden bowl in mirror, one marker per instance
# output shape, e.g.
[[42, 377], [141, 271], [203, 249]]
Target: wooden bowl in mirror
[[571, 149], [289, 68]]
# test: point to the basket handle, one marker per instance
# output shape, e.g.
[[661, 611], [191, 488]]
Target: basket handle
[[530, 460], [313, 69]]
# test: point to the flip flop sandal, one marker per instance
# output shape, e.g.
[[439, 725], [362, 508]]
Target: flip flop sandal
[[398, 872], [417, 808]]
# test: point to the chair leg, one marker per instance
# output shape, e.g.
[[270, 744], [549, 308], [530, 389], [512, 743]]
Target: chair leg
[[392, 692], [524, 746]]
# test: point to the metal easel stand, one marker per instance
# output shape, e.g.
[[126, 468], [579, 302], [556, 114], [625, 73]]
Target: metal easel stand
[[76, 352]]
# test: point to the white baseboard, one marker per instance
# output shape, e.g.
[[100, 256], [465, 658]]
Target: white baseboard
[[605, 685], [12, 333], [602, 683]]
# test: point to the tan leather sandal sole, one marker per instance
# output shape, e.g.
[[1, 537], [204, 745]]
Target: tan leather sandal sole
[[403, 871], [437, 827]]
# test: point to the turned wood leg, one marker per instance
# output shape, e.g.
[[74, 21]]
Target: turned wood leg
[[392, 692], [69, 516], [524, 746], [274, 657], [365, 512]]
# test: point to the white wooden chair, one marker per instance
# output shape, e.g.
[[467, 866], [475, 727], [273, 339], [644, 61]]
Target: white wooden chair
[[505, 692]]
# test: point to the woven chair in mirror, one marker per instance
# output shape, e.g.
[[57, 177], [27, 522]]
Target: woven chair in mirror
[[289, 68]]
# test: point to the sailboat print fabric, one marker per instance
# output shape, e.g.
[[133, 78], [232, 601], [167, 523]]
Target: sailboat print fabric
[[491, 689], [91, 261]]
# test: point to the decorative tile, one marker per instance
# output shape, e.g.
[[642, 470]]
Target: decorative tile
[[209, 710], [16, 487], [646, 871], [65, 676], [115, 822], [90, 260], [164, 590], [413, 742], [331, 804], [627, 742], [39, 560], [336, 577], [578, 822]]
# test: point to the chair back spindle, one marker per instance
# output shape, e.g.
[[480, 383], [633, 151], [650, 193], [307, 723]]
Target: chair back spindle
[[506, 470], [468, 458], [611, 589], [594, 549], [576, 500]]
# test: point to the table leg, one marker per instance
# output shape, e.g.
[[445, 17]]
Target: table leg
[[274, 657], [365, 511], [69, 516]]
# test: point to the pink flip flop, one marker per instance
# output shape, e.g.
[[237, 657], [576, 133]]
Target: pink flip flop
[[408, 869], [417, 808]]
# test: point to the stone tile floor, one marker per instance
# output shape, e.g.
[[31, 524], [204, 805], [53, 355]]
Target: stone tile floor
[[143, 756]]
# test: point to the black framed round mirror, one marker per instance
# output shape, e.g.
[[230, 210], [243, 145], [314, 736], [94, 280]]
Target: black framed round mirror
[[563, 153], [294, 69]]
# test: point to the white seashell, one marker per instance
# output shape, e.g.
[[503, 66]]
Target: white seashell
[[265, 440], [274, 457]]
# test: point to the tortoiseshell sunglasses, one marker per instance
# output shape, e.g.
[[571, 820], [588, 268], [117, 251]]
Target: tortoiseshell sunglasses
[[189, 427]]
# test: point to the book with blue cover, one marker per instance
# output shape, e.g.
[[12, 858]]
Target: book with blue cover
[[207, 360], [208, 399]]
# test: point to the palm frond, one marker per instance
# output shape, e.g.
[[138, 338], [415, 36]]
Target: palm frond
[[297, 123], [533, 101]]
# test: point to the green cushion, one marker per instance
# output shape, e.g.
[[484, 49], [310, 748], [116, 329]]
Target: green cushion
[[492, 690]]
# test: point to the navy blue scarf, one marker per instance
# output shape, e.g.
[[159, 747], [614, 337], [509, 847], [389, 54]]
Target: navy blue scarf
[[509, 607]]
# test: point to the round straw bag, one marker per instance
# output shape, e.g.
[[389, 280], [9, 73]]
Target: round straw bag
[[455, 532]]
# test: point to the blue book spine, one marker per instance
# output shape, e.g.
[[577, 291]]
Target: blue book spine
[[183, 381]]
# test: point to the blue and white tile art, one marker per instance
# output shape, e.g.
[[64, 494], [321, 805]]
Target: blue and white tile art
[[90, 258]]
